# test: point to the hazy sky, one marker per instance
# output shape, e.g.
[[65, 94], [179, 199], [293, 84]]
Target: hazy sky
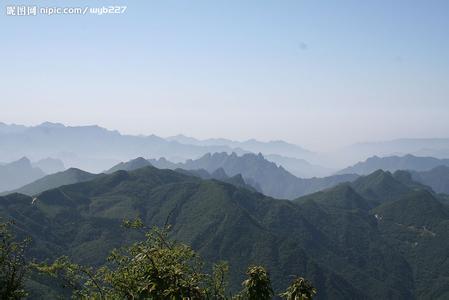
[[318, 73]]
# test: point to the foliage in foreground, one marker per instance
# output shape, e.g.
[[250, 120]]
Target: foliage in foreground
[[258, 284], [155, 268], [300, 289], [12, 264]]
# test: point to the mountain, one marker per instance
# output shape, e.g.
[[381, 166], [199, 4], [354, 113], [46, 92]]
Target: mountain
[[12, 128], [379, 187], [417, 226], [219, 220], [263, 175], [91, 148], [436, 178], [412, 227], [252, 145], [131, 165], [433, 147], [336, 238], [393, 163], [299, 167], [94, 148], [49, 165], [69, 176], [163, 163], [218, 174], [18, 173]]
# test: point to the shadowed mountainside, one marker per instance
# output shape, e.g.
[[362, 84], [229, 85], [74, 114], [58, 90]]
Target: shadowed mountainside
[[350, 247], [18, 173], [69, 176], [437, 178], [273, 180]]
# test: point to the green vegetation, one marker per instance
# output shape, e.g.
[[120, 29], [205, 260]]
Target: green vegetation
[[265, 176], [155, 268], [131, 165], [258, 285], [12, 264], [300, 289], [390, 246], [69, 176]]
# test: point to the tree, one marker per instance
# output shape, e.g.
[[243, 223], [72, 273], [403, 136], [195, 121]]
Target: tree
[[218, 282], [156, 268], [257, 286], [300, 289], [160, 268], [13, 265]]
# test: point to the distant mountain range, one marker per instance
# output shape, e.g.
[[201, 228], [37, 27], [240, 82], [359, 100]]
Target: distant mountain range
[[429, 171], [73, 175], [90, 148], [218, 174], [69, 176], [18, 173], [436, 178], [131, 165], [380, 237], [21, 172], [434, 147], [94, 148], [272, 147], [299, 167], [261, 174], [393, 163], [49, 165], [11, 128]]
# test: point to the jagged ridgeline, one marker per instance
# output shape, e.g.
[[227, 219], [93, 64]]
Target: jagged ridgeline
[[382, 237], [265, 176]]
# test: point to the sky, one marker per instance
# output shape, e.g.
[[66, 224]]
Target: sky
[[322, 74]]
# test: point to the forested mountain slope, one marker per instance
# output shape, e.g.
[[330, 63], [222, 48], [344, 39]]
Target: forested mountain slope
[[347, 245]]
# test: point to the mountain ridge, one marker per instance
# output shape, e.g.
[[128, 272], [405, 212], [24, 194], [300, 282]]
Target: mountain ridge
[[94, 148], [313, 236], [394, 163], [69, 176], [273, 180]]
